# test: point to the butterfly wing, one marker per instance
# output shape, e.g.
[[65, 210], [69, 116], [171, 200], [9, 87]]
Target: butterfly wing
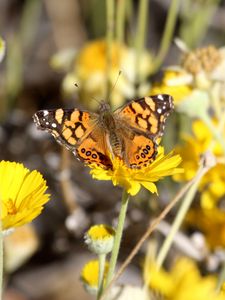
[[139, 150], [143, 121], [93, 149], [147, 114], [78, 131]]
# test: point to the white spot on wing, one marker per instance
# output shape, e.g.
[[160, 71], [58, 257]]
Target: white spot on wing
[[54, 125], [45, 112], [159, 110], [160, 97]]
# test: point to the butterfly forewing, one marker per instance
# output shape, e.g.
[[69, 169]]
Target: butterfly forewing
[[147, 114], [68, 126]]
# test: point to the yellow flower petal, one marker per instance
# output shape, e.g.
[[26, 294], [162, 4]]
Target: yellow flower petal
[[182, 282], [133, 179], [212, 185], [89, 275], [22, 194]]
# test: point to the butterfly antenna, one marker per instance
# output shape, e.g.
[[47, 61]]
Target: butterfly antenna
[[114, 85], [99, 102]]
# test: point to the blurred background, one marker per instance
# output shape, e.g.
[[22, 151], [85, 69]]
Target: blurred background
[[45, 53]]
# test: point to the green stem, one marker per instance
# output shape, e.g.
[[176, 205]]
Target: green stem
[[118, 236], [120, 21], [101, 259], [109, 41], [167, 34], [221, 279], [140, 36], [179, 217]]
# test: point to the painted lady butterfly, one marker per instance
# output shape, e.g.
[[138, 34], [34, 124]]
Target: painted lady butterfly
[[129, 133]]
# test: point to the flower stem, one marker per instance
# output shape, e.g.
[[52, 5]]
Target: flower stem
[[221, 279], [140, 36], [120, 20], [167, 34], [110, 8], [180, 216], [118, 236], [101, 259]]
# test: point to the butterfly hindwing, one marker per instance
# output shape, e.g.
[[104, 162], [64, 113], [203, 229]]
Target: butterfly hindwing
[[140, 151], [93, 149]]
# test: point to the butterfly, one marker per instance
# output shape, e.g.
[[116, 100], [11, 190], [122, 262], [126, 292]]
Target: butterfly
[[129, 133]]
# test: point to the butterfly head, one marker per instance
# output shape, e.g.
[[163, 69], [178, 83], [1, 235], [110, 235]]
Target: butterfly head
[[104, 107]]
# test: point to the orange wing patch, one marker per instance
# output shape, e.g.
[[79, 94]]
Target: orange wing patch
[[91, 152], [140, 151], [147, 114]]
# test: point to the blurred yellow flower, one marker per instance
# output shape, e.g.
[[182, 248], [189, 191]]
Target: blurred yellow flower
[[133, 179], [212, 186], [211, 222], [89, 275], [182, 282], [22, 194], [175, 83], [200, 75], [90, 73]]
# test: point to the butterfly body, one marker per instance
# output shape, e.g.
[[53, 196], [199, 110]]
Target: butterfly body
[[129, 133]]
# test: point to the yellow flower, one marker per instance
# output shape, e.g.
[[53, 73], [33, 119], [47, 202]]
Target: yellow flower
[[22, 194], [212, 186], [200, 77], [209, 222], [92, 58], [133, 179], [89, 275], [100, 239], [182, 282], [90, 70]]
